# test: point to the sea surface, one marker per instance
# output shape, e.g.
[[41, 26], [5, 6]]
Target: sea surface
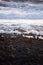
[[21, 10], [21, 26]]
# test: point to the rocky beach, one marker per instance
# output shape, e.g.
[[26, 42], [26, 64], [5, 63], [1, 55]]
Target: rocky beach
[[19, 50]]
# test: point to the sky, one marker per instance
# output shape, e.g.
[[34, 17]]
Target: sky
[[20, 10]]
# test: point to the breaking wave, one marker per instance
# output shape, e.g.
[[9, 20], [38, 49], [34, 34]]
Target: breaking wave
[[21, 29]]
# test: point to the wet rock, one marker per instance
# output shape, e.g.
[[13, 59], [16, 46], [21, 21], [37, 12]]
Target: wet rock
[[20, 50]]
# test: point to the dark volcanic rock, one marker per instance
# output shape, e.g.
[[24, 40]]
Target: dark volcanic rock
[[18, 50]]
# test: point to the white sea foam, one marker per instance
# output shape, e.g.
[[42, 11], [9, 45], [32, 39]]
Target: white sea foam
[[22, 21], [22, 26]]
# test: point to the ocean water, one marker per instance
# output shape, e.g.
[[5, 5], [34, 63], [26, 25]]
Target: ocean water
[[21, 10], [21, 26]]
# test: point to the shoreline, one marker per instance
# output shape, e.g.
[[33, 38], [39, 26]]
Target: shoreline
[[30, 35]]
